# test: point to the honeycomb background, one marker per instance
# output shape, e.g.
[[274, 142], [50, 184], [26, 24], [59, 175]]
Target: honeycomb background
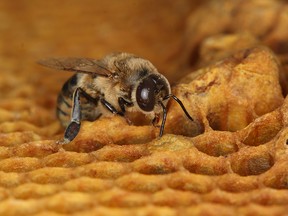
[[233, 159]]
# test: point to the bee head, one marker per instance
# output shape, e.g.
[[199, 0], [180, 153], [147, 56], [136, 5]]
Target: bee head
[[151, 91]]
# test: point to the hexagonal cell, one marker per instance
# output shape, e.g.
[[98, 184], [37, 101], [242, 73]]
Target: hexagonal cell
[[158, 163], [251, 161], [263, 129], [277, 177], [216, 143], [199, 163]]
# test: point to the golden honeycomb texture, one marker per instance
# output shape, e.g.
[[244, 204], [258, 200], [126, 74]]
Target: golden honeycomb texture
[[228, 63]]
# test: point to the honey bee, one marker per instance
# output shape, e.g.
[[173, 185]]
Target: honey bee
[[111, 85]]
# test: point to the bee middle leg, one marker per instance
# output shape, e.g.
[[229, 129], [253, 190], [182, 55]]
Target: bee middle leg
[[122, 104], [155, 121], [111, 108]]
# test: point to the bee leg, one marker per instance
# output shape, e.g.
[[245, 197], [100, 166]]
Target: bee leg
[[123, 104], [110, 107], [163, 120], [73, 128], [155, 121]]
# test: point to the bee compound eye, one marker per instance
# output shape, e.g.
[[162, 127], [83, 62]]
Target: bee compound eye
[[145, 94]]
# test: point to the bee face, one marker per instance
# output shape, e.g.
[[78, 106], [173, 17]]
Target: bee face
[[150, 91]]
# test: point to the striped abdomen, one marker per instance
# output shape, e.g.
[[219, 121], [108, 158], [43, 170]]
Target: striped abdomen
[[89, 109]]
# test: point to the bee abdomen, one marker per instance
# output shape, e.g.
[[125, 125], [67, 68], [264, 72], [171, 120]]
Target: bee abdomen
[[89, 105], [64, 101]]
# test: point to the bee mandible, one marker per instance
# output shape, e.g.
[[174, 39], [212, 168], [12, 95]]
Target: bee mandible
[[113, 84]]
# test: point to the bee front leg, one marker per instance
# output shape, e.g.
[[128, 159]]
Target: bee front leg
[[155, 121], [123, 104], [74, 126]]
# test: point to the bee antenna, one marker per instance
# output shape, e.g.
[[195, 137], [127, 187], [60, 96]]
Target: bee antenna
[[165, 111], [180, 103]]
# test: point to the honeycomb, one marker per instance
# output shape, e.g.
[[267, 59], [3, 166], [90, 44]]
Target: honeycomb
[[232, 160], [234, 167]]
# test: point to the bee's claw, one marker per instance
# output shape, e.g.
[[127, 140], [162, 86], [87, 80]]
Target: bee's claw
[[155, 121], [62, 141], [129, 122]]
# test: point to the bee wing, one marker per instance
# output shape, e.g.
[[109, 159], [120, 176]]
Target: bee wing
[[80, 65]]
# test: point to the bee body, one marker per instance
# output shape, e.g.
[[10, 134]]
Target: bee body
[[108, 86]]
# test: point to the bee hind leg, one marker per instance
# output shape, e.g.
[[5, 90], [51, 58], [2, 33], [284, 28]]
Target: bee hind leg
[[74, 126]]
